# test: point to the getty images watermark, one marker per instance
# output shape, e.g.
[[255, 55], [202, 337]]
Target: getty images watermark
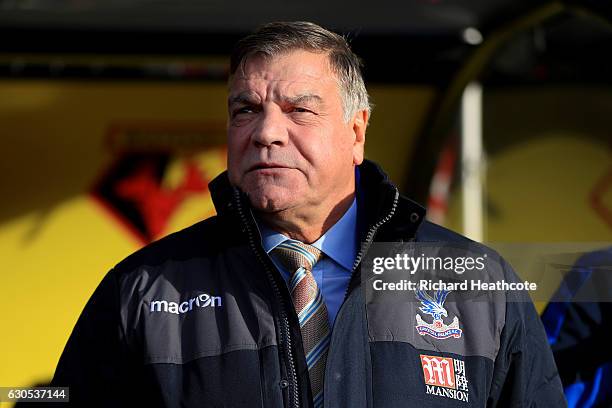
[[560, 272], [436, 265], [458, 295]]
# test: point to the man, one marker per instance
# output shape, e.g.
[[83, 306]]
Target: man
[[262, 305]]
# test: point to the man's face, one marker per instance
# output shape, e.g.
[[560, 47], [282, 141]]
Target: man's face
[[288, 144]]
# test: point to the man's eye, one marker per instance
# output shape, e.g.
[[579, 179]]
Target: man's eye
[[302, 110], [243, 110]]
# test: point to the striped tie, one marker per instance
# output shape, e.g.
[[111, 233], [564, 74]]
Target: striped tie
[[300, 258]]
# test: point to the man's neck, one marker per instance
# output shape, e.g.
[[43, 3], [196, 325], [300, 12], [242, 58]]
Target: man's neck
[[305, 227]]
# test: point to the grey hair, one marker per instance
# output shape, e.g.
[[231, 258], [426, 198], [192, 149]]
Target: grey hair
[[276, 38]]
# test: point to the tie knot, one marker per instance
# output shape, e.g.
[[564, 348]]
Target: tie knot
[[295, 254]]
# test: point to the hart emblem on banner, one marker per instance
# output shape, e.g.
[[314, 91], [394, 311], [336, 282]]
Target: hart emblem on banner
[[157, 171]]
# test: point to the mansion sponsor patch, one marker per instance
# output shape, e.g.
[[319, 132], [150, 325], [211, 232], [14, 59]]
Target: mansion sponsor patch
[[445, 377]]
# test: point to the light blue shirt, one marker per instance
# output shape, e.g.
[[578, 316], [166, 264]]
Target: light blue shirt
[[333, 272]]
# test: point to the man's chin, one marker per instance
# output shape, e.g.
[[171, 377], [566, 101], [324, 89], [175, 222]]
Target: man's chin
[[269, 203]]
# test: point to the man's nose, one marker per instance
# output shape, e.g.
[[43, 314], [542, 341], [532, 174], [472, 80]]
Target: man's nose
[[270, 129]]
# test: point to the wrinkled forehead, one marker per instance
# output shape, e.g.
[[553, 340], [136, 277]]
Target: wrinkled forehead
[[294, 71]]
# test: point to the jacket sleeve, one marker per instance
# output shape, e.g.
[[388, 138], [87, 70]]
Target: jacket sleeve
[[95, 364], [524, 374]]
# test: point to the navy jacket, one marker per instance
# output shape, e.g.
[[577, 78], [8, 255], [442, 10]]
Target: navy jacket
[[202, 318]]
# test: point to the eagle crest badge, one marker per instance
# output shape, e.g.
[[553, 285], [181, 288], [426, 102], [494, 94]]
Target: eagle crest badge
[[435, 307]]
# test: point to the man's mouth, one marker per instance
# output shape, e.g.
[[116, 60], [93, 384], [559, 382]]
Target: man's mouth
[[267, 166]]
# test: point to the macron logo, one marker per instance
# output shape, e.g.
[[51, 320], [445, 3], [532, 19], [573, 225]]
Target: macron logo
[[202, 300]]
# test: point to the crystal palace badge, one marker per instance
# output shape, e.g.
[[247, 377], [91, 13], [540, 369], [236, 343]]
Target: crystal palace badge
[[435, 307]]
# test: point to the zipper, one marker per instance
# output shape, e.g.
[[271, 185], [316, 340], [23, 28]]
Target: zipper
[[284, 319], [364, 248], [368, 241]]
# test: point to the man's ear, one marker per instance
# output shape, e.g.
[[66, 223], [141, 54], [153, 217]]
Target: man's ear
[[360, 123]]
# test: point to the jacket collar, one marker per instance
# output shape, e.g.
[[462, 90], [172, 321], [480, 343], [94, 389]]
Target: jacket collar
[[377, 198], [222, 192]]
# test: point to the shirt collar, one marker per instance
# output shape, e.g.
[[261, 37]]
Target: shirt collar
[[333, 243]]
